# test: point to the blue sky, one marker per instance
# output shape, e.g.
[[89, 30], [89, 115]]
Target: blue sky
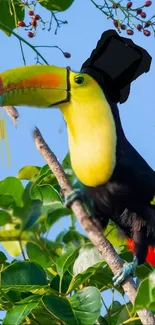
[[79, 37]]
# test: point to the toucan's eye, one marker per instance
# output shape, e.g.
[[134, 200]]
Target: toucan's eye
[[79, 80]]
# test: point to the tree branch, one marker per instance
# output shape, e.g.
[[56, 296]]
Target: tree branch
[[94, 231], [12, 113]]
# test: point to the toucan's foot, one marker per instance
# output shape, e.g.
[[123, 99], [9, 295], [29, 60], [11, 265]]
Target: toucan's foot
[[127, 269], [74, 195]]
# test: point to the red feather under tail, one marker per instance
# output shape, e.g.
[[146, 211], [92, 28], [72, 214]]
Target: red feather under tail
[[150, 258]]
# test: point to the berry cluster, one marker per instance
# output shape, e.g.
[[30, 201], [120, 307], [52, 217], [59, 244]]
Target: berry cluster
[[138, 13], [32, 25], [31, 28]]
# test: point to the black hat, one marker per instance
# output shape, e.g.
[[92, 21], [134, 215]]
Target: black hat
[[115, 63]]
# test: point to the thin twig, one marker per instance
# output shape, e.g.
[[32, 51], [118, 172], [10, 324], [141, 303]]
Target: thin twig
[[23, 40], [23, 56], [93, 231], [130, 16]]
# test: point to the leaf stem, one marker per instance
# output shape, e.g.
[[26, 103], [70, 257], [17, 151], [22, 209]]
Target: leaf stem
[[22, 251], [23, 56], [130, 320]]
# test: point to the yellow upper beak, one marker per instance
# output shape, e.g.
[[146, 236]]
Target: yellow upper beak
[[40, 86]]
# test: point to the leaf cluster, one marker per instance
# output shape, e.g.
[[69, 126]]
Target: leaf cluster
[[64, 281]]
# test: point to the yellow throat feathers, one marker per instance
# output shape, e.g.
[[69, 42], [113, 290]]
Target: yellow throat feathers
[[91, 133]]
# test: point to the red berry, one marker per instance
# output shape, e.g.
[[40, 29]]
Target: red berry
[[30, 12], [139, 27], [146, 32], [115, 22], [139, 11], [143, 14], [34, 23], [148, 3], [30, 34], [129, 4], [129, 31], [147, 24], [21, 23], [67, 55], [36, 17], [123, 27]]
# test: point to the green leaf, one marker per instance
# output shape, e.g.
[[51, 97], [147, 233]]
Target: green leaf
[[102, 321], [143, 298], [5, 302], [60, 307], [59, 238], [87, 304], [9, 238], [83, 308], [58, 212], [6, 201], [96, 274], [143, 271], [52, 247], [18, 313], [3, 258], [4, 218], [37, 254], [124, 315], [75, 237], [13, 247], [49, 196], [45, 177], [113, 235], [23, 276], [88, 256], [12, 186], [114, 307], [28, 214], [143, 294], [45, 170], [15, 296], [28, 172], [9, 14], [43, 317], [58, 5], [65, 282], [102, 278], [66, 165], [115, 313], [65, 260], [35, 213], [146, 294]]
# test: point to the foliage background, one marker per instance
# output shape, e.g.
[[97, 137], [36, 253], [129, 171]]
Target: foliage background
[[79, 37]]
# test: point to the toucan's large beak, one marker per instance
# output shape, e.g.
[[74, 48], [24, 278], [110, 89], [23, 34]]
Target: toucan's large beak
[[40, 86]]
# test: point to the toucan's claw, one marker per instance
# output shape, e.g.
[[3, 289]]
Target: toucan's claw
[[127, 269], [76, 194]]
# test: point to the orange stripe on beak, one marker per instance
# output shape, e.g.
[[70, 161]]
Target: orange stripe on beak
[[42, 81]]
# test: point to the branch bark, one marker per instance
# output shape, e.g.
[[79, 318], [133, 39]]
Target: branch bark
[[94, 231], [12, 113]]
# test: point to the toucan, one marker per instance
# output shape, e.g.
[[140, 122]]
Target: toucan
[[116, 179]]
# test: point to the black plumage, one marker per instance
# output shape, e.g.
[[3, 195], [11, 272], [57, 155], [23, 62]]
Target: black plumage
[[126, 197]]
